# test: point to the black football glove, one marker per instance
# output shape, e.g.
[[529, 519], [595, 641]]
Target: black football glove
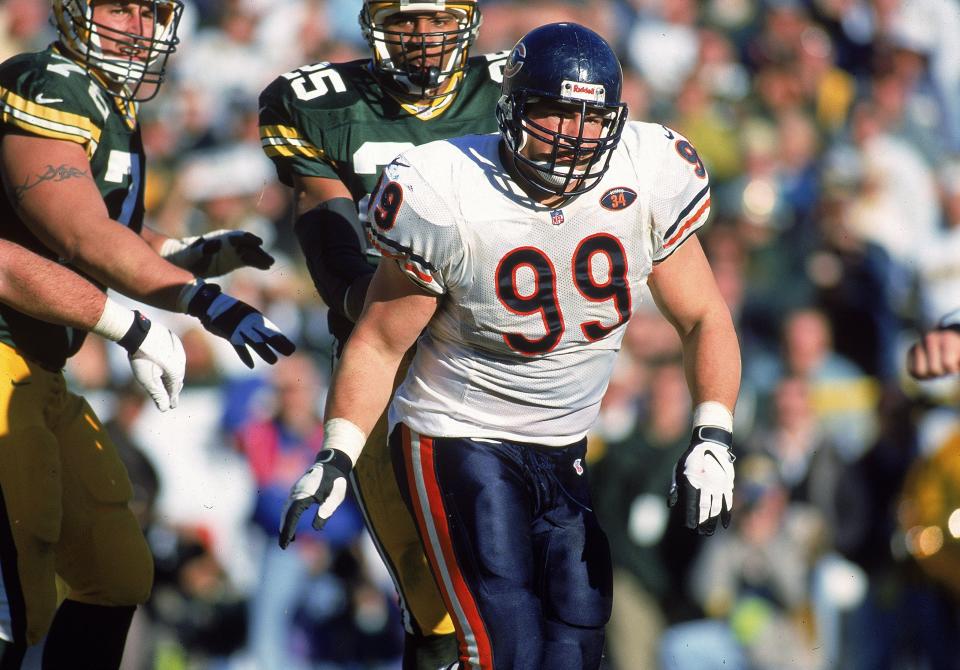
[[323, 484], [239, 323], [703, 480]]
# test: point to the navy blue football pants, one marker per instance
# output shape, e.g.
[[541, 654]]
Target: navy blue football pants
[[514, 545]]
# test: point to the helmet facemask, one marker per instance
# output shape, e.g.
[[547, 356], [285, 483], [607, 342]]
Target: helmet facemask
[[576, 163], [395, 52], [135, 66]]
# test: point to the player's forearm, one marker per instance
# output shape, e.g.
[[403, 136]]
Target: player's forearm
[[711, 358], [362, 383], [328, 236], [46, 290], [130, 266]]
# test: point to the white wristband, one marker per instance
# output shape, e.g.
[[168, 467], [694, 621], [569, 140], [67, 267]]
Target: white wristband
[[344, 435], [115, 321], [713, 413]]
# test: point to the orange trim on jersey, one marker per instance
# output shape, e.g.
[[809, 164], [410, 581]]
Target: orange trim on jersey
[[411, 268], [449, 566], [689, 222]]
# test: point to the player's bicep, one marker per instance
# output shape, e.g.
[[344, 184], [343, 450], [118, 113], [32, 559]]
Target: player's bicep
[[50, 183], [396, 311], [683, 286]]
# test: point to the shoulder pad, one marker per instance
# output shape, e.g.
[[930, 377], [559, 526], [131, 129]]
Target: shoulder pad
[[489, 65], [318, 86], [409, 223], [51, 96]]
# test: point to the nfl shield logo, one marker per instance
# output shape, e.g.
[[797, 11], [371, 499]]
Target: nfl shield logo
[[556, 217]]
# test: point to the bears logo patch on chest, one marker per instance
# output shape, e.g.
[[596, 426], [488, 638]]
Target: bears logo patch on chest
[[618, 198]]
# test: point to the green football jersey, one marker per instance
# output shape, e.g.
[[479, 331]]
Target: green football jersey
[[336, 120], [46, 94]]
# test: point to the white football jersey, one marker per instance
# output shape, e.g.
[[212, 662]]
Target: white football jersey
[[534, 300]]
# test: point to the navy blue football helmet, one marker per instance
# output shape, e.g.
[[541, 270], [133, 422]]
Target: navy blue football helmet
[[569, 64]]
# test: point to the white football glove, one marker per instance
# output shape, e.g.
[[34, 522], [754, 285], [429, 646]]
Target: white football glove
[[158, 364], [323, 484], [156, 355], [703, 480], [217, 252]]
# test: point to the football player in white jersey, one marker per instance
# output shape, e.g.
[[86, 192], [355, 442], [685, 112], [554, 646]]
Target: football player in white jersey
[[518, 260]]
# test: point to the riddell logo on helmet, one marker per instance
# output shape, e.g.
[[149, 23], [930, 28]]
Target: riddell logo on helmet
[[578, 90]]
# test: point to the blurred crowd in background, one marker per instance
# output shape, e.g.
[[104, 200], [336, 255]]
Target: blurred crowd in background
[[831, 131]]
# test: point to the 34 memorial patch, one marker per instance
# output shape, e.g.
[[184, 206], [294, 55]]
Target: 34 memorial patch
[[617, 198]]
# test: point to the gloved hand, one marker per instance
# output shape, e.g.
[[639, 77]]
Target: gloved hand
[[156, 354], [217, 252], [235, 321], [323, 484], [703, 480], [158, 363]]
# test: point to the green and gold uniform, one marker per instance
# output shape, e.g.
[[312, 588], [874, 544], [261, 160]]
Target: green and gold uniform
[[64, 490], [337, 121]]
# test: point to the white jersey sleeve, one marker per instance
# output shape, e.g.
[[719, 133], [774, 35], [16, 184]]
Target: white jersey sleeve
[[412, 224], [679, 185]]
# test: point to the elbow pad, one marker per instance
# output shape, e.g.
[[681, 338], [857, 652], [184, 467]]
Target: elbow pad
[[330, 237]]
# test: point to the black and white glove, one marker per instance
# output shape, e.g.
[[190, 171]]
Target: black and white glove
[[703, 480], [324, 484], [156, 355], [217, 252], [235, 321]]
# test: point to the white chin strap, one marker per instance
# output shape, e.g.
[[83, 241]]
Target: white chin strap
[[543, 169], [549, 177]]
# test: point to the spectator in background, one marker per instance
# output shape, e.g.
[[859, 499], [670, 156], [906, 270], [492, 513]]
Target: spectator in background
[[816, 475], [650, 554], [752, 584], [282, 615], [844, 397], [938, 268], [23, 27], [663, 46]]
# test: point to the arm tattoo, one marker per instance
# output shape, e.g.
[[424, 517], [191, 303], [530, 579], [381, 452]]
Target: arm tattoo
[[61, 173]]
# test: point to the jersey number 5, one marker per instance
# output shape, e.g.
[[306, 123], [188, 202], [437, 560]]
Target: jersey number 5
[[544, 301]]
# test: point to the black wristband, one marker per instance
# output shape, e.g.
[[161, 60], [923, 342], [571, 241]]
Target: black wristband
[[714, 434], [136, 334], [335, 458], [202, 300]]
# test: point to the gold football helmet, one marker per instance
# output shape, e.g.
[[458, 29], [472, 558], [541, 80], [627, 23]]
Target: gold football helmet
[[134, 65], [400, 56]]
